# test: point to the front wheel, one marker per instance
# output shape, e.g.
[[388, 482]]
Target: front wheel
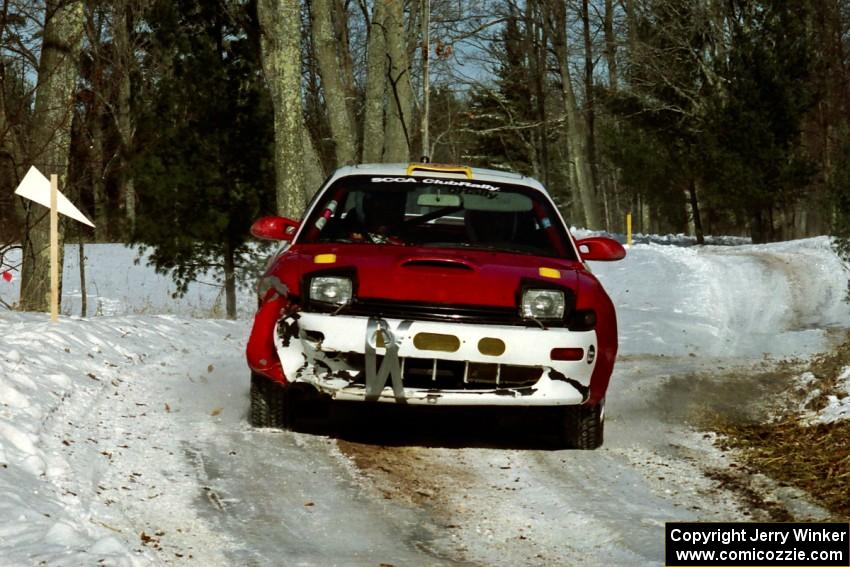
[[583, 426], [268, 402]]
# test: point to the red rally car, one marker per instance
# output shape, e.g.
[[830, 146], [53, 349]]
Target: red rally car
[[434, 285]]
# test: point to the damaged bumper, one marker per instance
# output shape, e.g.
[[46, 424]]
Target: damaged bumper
[[436, 363]]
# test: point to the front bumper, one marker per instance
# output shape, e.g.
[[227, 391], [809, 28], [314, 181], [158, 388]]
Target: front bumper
[[434, 363]]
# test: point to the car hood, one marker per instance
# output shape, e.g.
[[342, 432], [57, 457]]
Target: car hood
[[428, 275]]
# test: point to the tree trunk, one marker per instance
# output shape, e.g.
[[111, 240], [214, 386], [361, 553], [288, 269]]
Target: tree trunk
[[426, 79], [376, 86], [346, 63], [590, 108], [575, 128], [619, 213], [229, 281], [10, 221], [801, 220], [51, 138], [11, 158], [610, 44], [101, 223], [122, 21], [81, 248], [695, 213], [340, 115], [400, 94], [538, 54], [280, 21], [314, 174], [758, 234], [632, 23]]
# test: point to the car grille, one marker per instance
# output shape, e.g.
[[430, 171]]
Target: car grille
[[437, 374], [435, 312]]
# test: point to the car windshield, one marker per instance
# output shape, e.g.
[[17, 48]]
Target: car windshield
[[437, 212]]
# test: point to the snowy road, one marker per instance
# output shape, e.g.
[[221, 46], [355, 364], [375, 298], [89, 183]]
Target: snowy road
[[124, 438], [167, 452], [399, 490]]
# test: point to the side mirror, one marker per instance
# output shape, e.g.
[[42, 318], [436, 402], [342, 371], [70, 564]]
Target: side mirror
[[600, 249], [275, 228]]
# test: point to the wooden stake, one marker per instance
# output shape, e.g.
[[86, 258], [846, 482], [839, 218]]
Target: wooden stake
[[628, 229], [54, 249]]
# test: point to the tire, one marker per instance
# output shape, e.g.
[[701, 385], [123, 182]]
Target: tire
[[583, 426], [268, 403]]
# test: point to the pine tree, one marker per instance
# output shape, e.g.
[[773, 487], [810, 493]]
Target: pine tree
[[839, 193], [204, 170], [758, 166]]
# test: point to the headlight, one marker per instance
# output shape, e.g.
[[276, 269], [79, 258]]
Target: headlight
[[333, 290], [543, 304]]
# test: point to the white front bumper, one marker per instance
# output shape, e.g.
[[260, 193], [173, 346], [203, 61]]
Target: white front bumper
[[561, 382]]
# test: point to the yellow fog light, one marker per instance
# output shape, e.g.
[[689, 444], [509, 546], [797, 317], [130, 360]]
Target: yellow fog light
[[491, 347], [436, 341]]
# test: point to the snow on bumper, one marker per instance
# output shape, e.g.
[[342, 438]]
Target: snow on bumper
[[435, 363]]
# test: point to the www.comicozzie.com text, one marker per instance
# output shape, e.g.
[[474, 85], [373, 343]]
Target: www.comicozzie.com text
[[728, 536]]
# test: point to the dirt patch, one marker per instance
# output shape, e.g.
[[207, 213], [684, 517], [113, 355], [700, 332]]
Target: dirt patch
[[745, 394], [812, 457], [741, 404], [411, 475]]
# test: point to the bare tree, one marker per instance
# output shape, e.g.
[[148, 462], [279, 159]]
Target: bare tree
[[95, 71], [575, 125], [376, 86], [122, 23], [399, 124], [334, 87], [19, 48], [51, 138], [426, 78], [610, 44], [296, 160]]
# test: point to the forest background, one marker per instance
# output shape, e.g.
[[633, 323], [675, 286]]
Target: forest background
[[175, 123]]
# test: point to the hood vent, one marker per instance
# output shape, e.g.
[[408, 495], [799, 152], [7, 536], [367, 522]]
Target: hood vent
[[438, 263]]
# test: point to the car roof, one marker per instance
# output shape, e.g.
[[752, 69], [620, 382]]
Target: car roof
[[437, 170]]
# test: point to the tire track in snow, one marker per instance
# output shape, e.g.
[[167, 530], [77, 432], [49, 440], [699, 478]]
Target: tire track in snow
[[164, 458], [498, 503]]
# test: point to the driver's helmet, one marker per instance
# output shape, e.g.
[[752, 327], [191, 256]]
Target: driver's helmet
[[380, 211]]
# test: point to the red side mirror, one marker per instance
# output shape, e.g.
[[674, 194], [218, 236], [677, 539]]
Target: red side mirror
[[274, 228], [600, 249]]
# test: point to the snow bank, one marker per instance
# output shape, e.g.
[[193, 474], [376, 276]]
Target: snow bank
[[838, 406], [727, 301], [669, 239], [41, 367], [119, 282], [50, 376]]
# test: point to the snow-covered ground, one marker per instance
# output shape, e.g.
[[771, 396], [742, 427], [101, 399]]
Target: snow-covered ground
[[727, 301], [119, 281], [123, 436], [838, 405]]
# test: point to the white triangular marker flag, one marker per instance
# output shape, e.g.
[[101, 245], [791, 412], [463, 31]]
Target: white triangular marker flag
[[36, 187]]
